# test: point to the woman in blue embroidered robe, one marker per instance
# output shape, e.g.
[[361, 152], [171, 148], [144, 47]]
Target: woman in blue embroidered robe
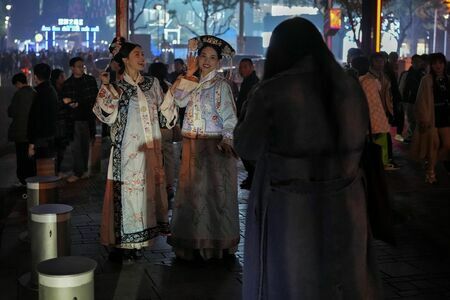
[[135, 203], [205, 222]]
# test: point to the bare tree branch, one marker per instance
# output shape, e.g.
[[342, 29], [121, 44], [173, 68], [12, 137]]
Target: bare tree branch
[[141, 11]]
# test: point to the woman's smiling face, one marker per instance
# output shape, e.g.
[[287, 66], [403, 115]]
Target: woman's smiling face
[[208, 60], [135, 60]]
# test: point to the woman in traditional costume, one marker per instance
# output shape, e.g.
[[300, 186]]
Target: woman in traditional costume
[[205, 221], [135, 202]]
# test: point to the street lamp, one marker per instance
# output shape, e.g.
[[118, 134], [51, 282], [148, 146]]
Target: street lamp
[[8, 6]]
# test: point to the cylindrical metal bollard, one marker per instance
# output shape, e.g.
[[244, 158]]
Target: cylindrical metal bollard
[[70, 277], [50, 234], [95, 155], [46, 166], [41, 190]]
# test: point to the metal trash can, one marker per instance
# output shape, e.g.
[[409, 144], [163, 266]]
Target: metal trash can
[[50, 234], [69, 277], [46, 166], [41, 190]]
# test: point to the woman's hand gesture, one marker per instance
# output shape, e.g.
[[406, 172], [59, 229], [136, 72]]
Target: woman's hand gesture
[[192, 65]]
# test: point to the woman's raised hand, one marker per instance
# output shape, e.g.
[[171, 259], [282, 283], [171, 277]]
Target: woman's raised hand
[[192, 65]]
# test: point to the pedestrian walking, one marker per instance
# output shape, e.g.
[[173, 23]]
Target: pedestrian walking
[[377, 89], [19, 111], [135, 202], [305, 125], [80, 91], [64, 123], [247, 72], [205, 222], [42, 119], [409, 92], [431, 140]]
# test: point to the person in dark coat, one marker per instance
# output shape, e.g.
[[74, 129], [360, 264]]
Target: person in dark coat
[[64, 121], [247, 71], [411, 86], [307, 232], [42, 119], [19, 111], [80, 91]]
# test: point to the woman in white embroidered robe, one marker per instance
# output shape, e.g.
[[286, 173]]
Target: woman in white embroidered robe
[[205, 222], [135, 203]]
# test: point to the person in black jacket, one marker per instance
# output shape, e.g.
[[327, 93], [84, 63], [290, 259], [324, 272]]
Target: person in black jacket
[[42, 119], [80, 91], [412, 82], [247, 71], [19, 111]]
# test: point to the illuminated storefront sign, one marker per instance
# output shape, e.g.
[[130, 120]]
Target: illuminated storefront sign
[[70, 25], [70, 28]]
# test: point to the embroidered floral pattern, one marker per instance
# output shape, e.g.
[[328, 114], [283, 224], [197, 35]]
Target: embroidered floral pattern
[[131, 219]]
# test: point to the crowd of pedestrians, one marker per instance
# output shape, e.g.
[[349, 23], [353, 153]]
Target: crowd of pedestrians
[[300, 132], [14, 61], [414, 101]]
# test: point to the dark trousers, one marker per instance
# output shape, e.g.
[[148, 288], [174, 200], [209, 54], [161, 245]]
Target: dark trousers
[[408, 108], [25, 164], [60, 148], [80, 147], [399, 118], [45, 148]]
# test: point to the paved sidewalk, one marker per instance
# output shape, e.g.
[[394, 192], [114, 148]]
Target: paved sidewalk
[[418, 268]]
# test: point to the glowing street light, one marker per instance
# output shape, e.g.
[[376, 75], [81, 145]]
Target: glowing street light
[[8, 6]]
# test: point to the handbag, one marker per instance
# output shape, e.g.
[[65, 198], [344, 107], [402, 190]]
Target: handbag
[[378, 200]]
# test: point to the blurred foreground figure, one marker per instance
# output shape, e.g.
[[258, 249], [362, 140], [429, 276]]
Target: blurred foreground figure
[[305, 125]]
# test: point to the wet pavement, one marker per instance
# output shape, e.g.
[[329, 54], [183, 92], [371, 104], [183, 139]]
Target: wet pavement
[[417, 268]]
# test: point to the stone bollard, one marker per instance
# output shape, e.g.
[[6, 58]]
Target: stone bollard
[[50, 236], [46, 166], [69, 277], [95, 155]]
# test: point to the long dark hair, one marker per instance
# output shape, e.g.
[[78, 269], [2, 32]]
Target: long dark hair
[[432, 58], [295, 39], [159, 71], [124, 52], [54, 76]]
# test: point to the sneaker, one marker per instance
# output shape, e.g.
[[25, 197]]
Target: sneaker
[[391, 167], [399, 138], [72, 178]]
